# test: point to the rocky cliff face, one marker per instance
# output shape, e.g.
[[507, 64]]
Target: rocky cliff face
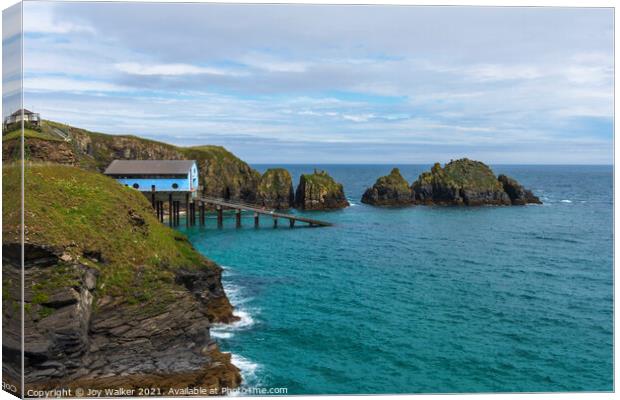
[[319, 191], [40, 150], [112, 297], [389, 190], [460, 182], [224, 175], [275, 189], [517, 193]]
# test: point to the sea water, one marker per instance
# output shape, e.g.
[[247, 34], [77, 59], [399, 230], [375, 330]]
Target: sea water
[[426, 299]]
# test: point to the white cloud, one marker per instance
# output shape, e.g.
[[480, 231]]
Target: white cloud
[[135, 68]]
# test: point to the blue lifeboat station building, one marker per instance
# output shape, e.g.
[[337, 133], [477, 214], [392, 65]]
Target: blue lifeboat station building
[[161, 181]]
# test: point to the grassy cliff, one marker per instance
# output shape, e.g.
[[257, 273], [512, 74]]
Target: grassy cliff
[[92, 219], [102, 270]]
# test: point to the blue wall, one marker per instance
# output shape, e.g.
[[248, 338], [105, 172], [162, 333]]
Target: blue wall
[[161, 184]]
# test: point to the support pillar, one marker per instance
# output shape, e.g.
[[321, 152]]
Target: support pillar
[[238, 218], [170, 210], [202, 213], [153, 198], [176, 213], [291, 222], [275, 222], [193, 213], [256, 220], [187, 212], [161, 211], [220, 217]]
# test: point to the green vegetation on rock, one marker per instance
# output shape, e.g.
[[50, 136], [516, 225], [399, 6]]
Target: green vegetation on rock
[[462, 182], [389, 190], [275, 189], [319, 191]]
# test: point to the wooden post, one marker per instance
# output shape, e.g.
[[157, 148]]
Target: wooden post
[[220, 216], [238, 218], [291, 222], [187, 212], [193, 213], [202, 213], [161, 211], [256, 220], [153, 197], [170, 210], [176, 212], [275, 222]]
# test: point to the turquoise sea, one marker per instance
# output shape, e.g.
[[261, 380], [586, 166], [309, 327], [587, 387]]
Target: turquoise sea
[[426, 299]]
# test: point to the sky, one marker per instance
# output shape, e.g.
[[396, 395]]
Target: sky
[[331, 84]]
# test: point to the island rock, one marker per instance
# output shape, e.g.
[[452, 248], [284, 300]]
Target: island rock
[[389, 190], [517, 193], [319, 191], [460, 182], [275, 189]]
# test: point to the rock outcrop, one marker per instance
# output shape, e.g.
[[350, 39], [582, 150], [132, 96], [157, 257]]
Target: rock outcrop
[[462, 182], [319, 191], [389, 190], [113, 298], [517, 193], [275, 189]]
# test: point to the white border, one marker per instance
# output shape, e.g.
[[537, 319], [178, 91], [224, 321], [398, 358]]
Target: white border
[[555, 3]]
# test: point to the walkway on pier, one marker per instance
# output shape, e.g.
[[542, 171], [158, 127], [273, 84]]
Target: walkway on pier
[[221, 204], [197, 208]]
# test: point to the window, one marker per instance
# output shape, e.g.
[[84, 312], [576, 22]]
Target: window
[[136, 186], [175, 185]]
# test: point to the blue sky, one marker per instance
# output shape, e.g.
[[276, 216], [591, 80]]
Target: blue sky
[[339, 84]]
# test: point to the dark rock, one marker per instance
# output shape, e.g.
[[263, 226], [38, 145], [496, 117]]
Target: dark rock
[[517, 193], [460, 182], [275, 189], [319, 191], [389, 190]]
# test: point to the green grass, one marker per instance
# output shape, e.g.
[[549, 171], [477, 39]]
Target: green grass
[[81, 212], [463, 173], [321, 179], [30, 134], [275, 180], [394, 180]]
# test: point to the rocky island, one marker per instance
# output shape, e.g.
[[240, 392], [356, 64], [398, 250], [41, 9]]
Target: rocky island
[[461, 182], [319, 191], [468, 182], [389, 190], [275, 189]]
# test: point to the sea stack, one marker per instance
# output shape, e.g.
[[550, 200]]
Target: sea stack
[[319, 191], [389, 190], [517, 193], [275, 189], [468, 182]]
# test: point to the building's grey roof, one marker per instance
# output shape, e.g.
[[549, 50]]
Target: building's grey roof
[[19, 112], [149, 167]]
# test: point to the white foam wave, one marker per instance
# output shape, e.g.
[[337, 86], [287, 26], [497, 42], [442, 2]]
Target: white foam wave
[[237, 299], [565, 201]]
